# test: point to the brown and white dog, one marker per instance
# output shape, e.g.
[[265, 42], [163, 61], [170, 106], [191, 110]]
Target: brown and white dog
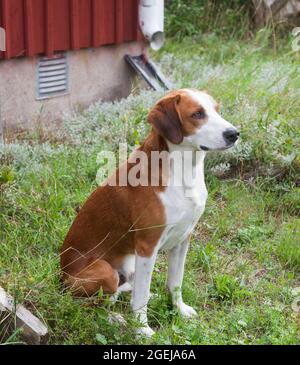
[[115, 238]]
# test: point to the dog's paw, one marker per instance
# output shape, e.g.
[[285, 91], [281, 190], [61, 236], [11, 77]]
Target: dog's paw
[[116, 318], [187, 311], [145, 331]]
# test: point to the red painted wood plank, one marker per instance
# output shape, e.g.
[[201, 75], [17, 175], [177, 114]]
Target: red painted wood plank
[[13, 24], [97, 18], [44, 26], [119, 22], [1, 25], [16, 19], [75, 30], [6, 26], [29, 27], [130, 21], [39, 31], [85, 24], [61, 25], [137, 35], [108, 22], [49, 26]]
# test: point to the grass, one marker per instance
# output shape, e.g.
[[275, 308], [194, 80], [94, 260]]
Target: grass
[[243, 265], [189, 18]]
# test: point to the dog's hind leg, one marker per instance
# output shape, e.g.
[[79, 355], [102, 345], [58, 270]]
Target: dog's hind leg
[[121, 289], [126, 273], [116, 317], [94, 275]]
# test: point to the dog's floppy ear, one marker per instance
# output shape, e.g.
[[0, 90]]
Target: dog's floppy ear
[[165, 119]]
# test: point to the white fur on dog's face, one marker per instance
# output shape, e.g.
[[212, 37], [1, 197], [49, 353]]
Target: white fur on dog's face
[[209, 136]]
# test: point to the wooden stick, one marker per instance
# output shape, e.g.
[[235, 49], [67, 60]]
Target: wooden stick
[[34, 331]]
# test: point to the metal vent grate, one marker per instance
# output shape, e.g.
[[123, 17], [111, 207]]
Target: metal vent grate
[[52, 76]]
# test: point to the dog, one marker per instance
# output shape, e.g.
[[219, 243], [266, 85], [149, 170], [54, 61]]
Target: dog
[[113, 243]]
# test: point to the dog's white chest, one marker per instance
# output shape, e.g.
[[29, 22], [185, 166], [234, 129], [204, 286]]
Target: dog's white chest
[[183, 208]]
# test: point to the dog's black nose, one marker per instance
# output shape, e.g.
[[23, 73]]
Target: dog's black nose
[[231, 135]]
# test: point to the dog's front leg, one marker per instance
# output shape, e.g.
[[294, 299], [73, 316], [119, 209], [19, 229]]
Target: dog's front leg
[[141, 290], [176, 261]]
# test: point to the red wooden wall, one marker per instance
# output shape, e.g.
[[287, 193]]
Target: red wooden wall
[[35, 27]]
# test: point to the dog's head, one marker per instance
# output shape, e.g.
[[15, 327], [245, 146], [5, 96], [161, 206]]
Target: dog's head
[[191, 117]]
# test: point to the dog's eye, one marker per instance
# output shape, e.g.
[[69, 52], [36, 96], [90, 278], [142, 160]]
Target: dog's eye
[[199, 114]]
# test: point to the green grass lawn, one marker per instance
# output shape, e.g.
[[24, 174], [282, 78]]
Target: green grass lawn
[[243, 267]]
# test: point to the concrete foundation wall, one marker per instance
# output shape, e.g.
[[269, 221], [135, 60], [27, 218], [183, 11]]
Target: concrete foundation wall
[[94, 74]]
